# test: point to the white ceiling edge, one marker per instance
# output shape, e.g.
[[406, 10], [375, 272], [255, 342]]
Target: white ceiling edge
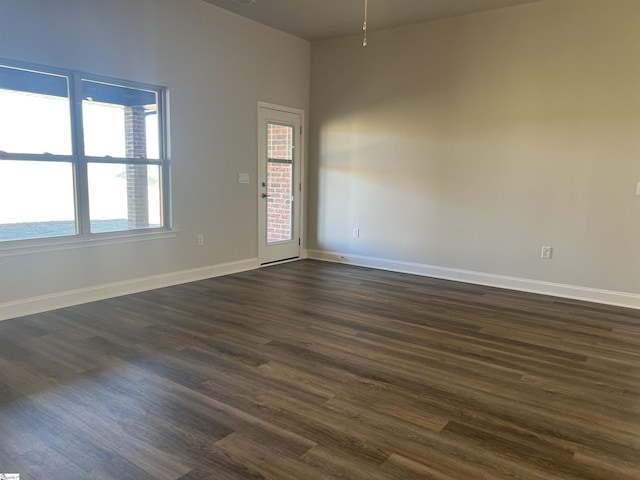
[[322, 19]]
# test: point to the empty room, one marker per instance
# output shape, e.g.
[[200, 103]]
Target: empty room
[[320, 239]]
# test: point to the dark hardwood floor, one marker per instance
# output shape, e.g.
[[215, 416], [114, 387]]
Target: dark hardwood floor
[[311, 370]]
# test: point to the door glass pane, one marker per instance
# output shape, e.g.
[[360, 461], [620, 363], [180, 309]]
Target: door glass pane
[[34, 112], [124, 197], [37, 200], [119, 122], [279, 182]]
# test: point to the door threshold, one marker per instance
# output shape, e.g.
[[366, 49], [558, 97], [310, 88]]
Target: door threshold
[[276, 262]]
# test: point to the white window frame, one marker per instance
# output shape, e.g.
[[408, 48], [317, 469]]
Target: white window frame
[[80, 162]]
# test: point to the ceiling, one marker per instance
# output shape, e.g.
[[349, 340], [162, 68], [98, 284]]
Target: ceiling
[[320, 19]]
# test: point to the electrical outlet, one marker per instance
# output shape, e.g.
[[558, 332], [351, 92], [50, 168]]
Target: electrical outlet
[[546, 253], [200, 239], [356, 233]]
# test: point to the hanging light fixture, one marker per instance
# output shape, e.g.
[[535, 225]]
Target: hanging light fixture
[[364, 25]]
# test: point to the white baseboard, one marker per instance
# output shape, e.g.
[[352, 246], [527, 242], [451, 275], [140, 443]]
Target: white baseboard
[[622, 299], [29, 306]]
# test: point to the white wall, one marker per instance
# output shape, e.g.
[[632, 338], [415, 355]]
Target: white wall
[[464, 145], [217, 66]]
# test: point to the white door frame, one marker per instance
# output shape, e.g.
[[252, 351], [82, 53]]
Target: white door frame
[[269, 254]]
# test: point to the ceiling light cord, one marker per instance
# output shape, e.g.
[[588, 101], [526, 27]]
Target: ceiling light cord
[[364, 25]]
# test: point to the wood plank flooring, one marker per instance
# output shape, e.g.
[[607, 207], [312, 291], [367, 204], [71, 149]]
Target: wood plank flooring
[[311, 370]]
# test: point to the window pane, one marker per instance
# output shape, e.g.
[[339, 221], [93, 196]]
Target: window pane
[[279, 216], [119, 121], [34, 112], [36, 200], [124, 197], [280, 142], [279, 180]]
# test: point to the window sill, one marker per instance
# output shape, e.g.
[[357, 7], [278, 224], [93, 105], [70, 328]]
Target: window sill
[[28, 247]]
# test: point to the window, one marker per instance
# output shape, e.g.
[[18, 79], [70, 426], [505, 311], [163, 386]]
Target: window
[[79, 155]]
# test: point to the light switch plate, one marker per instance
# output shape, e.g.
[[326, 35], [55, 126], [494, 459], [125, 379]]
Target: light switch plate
[[638, 189], [243, 178]]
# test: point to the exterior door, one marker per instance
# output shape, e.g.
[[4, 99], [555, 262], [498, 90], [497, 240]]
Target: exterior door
[[279, 187]]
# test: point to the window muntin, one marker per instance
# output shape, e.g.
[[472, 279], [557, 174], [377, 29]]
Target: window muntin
[[109, 152]]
